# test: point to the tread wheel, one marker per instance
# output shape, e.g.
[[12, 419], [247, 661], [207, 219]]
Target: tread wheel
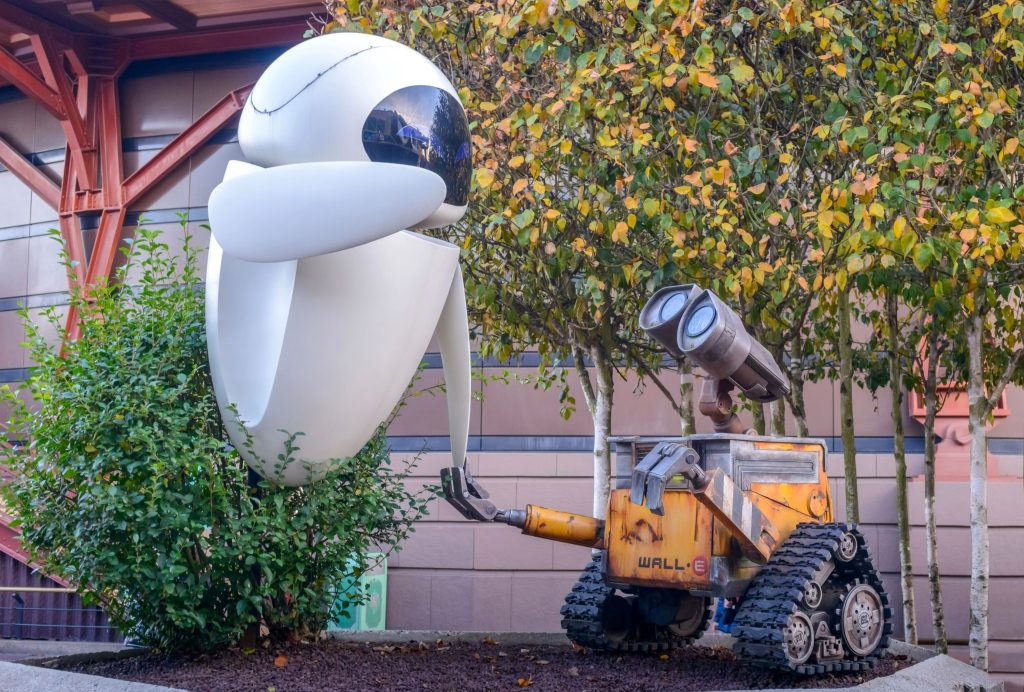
[[817, 606]]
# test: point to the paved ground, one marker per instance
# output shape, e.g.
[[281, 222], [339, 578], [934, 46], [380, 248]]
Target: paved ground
[[21, 649]]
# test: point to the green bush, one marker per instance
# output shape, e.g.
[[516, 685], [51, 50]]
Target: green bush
[[127, 487]]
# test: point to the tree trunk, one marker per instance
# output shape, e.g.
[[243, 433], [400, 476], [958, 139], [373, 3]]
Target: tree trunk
[[931, 405], [902, 511], [796, 396], [602, 415], [777, 408], [757, 410], [978, 632], [778, 411], [687, 418], [846, 405]]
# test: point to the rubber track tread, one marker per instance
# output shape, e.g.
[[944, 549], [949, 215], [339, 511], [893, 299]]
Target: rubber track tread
[[777, 590], [581, 618]]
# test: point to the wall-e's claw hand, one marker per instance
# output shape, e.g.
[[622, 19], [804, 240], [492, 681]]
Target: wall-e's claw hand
[[656, 469], [466, 495]]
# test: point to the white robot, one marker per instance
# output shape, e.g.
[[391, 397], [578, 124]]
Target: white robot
[[319, 304]]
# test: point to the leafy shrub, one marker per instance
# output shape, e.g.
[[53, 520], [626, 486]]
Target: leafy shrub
[[125, 483]]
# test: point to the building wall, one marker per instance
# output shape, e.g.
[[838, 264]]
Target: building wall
[[453, 574]]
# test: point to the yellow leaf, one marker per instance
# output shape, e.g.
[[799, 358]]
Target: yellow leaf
[[669, 104], [839, 69], [487, 106], [556, 106], [1010, 146], [693, 178], [708, 80], [484, 177], [774, 219], [519, 186], [631, 203], [999, 215], [620, 232], [536, 130], [973, 216], [565, 147], [899, 226], [584, 207], [742, 73], [756, 189], [948, 48], [876, 210], [785, 158], [516, 161], [552, 214], [968, 234], [825, 222]]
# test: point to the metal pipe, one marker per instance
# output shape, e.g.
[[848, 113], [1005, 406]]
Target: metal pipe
[[35, 589]]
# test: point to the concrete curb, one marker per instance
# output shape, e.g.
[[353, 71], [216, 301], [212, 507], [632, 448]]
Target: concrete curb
[[15, 676]]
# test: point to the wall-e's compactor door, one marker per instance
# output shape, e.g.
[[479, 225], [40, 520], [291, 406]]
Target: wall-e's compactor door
[[709, 528]]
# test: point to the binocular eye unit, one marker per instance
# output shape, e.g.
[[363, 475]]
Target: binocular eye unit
[[692, 322]]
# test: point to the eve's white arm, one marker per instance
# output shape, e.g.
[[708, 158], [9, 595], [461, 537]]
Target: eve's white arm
[[453, 337], [306, 209]]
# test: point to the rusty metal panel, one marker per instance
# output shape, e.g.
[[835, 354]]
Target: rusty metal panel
[[673, 550]]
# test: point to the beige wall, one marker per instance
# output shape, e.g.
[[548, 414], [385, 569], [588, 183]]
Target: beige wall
[[453, 574]]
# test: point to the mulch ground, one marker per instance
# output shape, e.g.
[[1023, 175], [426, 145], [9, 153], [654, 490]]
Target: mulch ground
[[484, 665]]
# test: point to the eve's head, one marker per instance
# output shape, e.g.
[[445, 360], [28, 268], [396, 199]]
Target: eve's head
[[355, 97]]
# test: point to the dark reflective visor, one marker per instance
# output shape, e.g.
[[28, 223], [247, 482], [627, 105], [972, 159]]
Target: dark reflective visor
[[426, 127]]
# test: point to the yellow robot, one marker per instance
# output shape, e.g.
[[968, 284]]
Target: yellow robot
[[729, 515]]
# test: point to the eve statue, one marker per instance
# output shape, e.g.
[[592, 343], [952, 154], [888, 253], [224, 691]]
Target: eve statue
[[321, 297]]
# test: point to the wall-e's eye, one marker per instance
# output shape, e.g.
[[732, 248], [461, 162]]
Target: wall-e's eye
[[426, 127]]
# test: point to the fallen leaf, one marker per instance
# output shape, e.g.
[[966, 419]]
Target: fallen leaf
[[489, 642], [541, 662], [525, 682], [573, 672], [281, 661]]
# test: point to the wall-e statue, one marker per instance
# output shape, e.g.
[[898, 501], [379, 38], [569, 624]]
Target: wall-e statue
[[728, 515]]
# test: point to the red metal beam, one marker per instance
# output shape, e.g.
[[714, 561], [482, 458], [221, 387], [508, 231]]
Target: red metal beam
[[108, 114], [218, 40], [80, 139], [70, 229], [183, 146], [104, 250], [168, 12], [15, 72], [27, 173]]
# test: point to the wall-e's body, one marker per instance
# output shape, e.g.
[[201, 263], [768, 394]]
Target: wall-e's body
[[730, 515]]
